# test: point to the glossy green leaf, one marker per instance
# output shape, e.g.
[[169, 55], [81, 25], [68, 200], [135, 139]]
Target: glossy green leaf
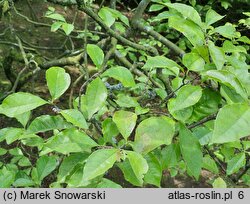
[[187, 96], [227, 31], [71, 140], [13, 134], [129, 174], [24, 182], [229, 79], [67, 28], [219, 183], [210, 165], [58, 81], [152, 133], [212, 17], [187, 12], [217, 54], [109, 130], [2, 151], [56, 16], [207, 105], [106, 183], [237, 162], [68, 164], [125, 122], [107, 16], [193, 62], [232, 123], [46, 123], [170, 155], [55, 26], [23, 118], [94, 98], [188, 28], [19, 103], [138, 163], [7, 177], [96, 54], [162, 62], [154, 173], [44, 166], [75, 117], [98, 163], [121, 74], [126, 101], [191, 151]]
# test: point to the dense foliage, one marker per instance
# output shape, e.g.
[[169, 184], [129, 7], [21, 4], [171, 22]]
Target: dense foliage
[[150, 90]]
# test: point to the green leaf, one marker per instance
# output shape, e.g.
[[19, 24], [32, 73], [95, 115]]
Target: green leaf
[[188, 28], [187, 96], [46, 123], [94, 98], [24, 161], [56, 16], [125, 122], [24, 182], [98, 163], [191, 151], [55, 26], [170, 156], [232, 123], [23, 118], [152, 133], [2, 151], [193, 62], [96, 54], [121, 74], [162, 62], [71, 140], [237, 162], [75, 117], [109, 130], [154, 173], [212, 17], [187, 12], [219, 183], [19, 103], [13, 134], [229, 79], [126, 101], [227, 31], [58, 81], [138, 163], [207, 105], [210, 165], [217, 54], [7, 177], [155, 7], [107, 16], [106, 183], [68, 165], [67, 28], [129, 174], [44, 166]]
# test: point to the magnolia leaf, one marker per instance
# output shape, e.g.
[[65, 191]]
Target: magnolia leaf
[[191, 152], [18, 103], [152, 133], [232, 123], [58, 81], [125, 122]]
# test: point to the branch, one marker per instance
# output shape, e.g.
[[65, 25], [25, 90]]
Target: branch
[[137, 25], [114, 34], [204, 120]]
